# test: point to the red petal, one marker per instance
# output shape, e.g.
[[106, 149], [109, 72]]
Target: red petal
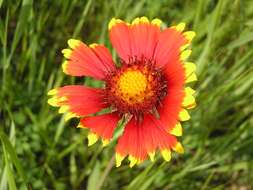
[[168, 46], [134, 40], [94, 61], [132, 141], [120, 36], [81, 100], [160, 138], [144, 39], [104, 55], [172, 103], [102, 125], [140, 139]]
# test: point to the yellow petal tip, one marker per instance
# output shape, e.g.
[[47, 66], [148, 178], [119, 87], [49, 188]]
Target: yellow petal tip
[[183, 47], [114, 22], [191, 78], [156, 22], [189, 35], [180, 27], [64, 66], [66, 53], [144, 19], [190, 68], [152, 156], [189, 100], [185, 54], [178, 148], [69, 116], [63, 109], [73, 43], [93, 45], [177, 130], [136, 21], [92, 139], [132, 160], [53, 101], [80, 125], [189, 90], [105, 142], [184, 115], [52, 92], [118, 159], [166, 154]]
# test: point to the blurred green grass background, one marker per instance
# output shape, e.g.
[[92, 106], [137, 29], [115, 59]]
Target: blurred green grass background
[[39, 150]]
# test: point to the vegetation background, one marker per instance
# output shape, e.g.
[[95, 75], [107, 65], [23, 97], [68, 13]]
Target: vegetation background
[[38, 150]]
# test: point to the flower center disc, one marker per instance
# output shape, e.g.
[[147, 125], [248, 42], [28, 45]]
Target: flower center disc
[[135, 88], [132, 85]]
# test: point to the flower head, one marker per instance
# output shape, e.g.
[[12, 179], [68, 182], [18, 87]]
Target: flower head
[[148, 90]]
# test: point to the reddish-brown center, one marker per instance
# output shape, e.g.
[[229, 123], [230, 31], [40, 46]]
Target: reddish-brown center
[[135, 88]]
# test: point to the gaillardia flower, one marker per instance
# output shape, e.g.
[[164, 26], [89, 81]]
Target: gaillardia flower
[[147, 91]]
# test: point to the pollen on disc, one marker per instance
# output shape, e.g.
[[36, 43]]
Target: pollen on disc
[[132, 84]]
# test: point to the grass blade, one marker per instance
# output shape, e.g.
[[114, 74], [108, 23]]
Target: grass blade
[[12, 154]]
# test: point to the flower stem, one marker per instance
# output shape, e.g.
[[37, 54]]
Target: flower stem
[[106, 172]]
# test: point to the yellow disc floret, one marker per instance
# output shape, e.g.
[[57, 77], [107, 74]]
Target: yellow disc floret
[[132, 85]]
